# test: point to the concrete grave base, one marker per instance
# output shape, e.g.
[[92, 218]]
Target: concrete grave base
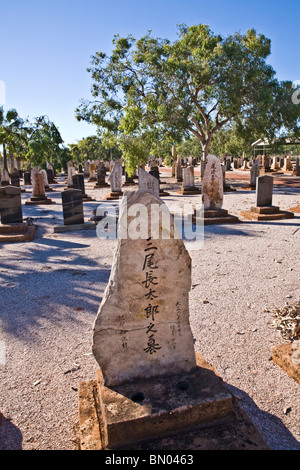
[[214, 217], [266, 213], [103, 185], [113, 195], [17, 233], [288, 358], [74, 227], [189, 191], [36, 201], [163, 193], [190, 411]]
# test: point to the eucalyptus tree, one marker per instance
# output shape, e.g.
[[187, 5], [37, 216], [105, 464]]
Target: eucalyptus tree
[[153, 89]]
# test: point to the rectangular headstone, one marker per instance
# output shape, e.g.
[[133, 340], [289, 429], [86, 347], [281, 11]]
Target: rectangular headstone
[[264, 191], [11, 205], [78, 183], [72, 207]]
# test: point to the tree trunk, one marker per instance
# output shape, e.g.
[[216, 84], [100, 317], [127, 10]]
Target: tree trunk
[[4, 158]]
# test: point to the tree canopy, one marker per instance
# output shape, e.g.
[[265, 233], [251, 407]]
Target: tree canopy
[[155, 90]]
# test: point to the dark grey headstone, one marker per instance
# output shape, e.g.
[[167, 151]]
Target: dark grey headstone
[[27, 178], [50, 175], [11, 205], [72, 207], [15, 180], [78, 183], [101, 174], [264, 191]]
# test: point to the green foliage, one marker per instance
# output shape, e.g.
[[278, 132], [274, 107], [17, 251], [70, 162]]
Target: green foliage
[[154, 90], [13, 134], [94, 148], [44, 142]]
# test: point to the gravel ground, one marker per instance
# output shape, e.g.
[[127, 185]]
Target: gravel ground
[[51, 289]]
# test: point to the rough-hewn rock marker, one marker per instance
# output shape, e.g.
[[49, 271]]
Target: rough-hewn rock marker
[[150, 382], [212, 195]]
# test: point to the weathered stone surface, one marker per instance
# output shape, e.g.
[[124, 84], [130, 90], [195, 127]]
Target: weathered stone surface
[[235, 433], [148, 182], [92, 172], [71, 173], [254, 173], [188, 177], [264, 191], [212, 184], [142, 328], [115, 178], [38, 187], [10, 205], [288, 359]]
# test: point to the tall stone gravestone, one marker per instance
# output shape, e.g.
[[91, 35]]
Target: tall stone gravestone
[[11, 205], [296, 171], [149, 383], [101, 177], [92, 172], [72, 207], [78, 183], [154, 171], [38, 190], [264, 209], [254, 174], [212, 195], [71, 173], [188, 184], [115, 180], [178, 173]]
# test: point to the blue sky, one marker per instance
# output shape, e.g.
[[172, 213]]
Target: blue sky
[[46, 47]]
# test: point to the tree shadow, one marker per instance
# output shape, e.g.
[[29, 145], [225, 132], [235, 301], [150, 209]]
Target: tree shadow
[[273, 430], [59, 277], [10, 436]]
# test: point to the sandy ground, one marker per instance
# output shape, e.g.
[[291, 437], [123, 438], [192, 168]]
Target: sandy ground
[[51, 289]]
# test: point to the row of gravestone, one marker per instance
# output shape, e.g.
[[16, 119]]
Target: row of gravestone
[[212, 193]]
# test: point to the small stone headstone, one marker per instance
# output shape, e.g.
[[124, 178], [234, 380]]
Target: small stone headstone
[[92, 172], [188, 177], [27, 178], [71, 173], [72, 207], [148, 182], [264, 191], [212, 184], [254, 173], [10, 205], [115, 178]]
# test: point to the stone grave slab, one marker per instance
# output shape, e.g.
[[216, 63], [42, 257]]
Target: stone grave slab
[[38, 191], [17, 233], [10, 205], [212, 196], [264, 209], [72, 207], [188, 184], [115, 179], [78, 183], [222, 426]]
